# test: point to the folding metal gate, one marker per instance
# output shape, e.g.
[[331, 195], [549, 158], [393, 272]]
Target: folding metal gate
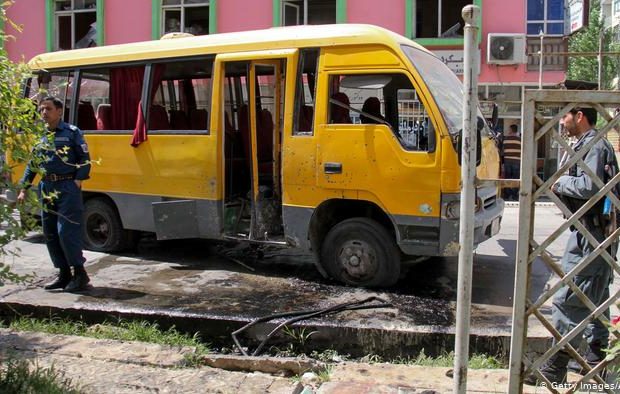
[[540, 121]]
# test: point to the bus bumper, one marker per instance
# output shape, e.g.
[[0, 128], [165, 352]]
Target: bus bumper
[[487, 222]]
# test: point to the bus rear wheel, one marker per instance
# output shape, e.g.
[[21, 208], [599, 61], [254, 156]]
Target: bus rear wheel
[[103, 230], [361, 252]]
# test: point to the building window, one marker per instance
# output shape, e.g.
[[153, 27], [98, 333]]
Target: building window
[[308, 12], [439, 18], [75, 24], [187, 16], [545, 16]]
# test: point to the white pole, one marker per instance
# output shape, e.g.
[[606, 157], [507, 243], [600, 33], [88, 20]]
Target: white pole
[[541, 61], [471, 16]]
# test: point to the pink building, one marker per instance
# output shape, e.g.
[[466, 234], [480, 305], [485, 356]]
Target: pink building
[[50, 25]]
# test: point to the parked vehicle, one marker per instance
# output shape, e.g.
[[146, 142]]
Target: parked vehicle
[[340, 139]]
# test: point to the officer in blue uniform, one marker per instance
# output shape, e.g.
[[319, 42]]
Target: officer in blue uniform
[[575, 188], [65, 164]]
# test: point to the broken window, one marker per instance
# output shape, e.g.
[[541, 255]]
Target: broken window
[[186, 16], [439, 18], [76, 24], [308, 12]]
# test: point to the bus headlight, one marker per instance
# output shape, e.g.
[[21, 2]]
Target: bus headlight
[[453, 208]]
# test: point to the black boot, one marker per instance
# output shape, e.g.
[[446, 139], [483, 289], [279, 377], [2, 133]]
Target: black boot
[[80, 280], [554, 370], [593, 356], [62, 280]]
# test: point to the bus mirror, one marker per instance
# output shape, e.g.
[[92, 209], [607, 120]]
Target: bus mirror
[[372, 81], [459, 142]]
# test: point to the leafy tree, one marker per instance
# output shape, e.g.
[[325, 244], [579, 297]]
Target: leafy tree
[[20, 129], [586, 68]]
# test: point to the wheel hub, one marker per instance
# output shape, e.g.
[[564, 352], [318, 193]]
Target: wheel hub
[[358, 259]]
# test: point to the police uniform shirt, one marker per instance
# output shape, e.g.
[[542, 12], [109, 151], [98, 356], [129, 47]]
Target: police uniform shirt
[[69, 157]]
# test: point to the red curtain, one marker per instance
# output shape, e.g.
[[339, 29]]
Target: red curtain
[[125, 93], [140, 130]]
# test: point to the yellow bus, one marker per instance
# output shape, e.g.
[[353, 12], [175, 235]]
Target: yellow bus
[[340, 139]]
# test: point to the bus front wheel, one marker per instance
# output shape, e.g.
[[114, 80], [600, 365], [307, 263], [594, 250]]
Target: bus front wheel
[[361, 252], [103, 230]]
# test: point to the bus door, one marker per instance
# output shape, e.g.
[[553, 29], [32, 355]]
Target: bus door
[[251, 103]]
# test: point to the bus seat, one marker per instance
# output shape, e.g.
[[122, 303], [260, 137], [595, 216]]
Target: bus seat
[[337, 114], [228, 127], [244, 130], [104, 117], [264, 136], [198, 119], [372, 106], [86, 116], [158, 119], [178, 120], [305, 118]]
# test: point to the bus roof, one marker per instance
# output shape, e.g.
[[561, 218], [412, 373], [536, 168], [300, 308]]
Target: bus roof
[[274, 38]]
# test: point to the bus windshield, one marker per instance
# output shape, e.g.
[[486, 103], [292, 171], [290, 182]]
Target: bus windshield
[[444, 85]]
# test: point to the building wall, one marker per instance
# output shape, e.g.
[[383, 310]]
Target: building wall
[[31, 41], [237, 15], [127, 21], [131, 20], [378, 13], [501, 16]]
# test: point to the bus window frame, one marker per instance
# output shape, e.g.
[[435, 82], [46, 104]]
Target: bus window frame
[[146, 96], [414, 83]]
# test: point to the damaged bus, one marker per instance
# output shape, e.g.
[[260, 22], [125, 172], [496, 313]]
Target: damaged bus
[[340, 139]]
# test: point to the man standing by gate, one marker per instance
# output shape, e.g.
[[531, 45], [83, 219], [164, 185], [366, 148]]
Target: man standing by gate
[[593, 280]]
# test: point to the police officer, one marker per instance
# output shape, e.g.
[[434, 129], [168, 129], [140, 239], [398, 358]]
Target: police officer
[[575, 189], [65, 164]]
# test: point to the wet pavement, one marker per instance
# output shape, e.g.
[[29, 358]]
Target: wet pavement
[[202, 287]]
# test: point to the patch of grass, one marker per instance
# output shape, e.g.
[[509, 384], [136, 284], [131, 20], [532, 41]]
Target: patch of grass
[[20, 376], [141, 331], [325, 374], [329, 355], [477, 361], [51, 326]]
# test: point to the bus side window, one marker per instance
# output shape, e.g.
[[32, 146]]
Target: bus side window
[[94, 111], [182, 95], [381, 99], [57, 84], [305, 92], [109, 98]]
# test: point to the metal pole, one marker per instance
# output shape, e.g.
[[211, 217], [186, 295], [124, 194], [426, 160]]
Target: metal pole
[[541, 60], [522, 268], [601, 37], [471, 16]]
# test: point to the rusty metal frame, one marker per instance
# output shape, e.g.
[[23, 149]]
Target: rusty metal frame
[[535, 127]]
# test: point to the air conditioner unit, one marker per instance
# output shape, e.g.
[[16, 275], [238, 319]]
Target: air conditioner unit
[[506, 48]]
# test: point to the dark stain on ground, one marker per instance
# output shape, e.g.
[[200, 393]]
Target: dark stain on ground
[[257, 282]]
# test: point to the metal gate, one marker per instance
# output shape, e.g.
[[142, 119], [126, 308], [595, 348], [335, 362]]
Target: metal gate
[[542, 112]]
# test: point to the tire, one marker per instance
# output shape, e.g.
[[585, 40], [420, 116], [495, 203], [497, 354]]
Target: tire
[[103, 230], [361, 252]]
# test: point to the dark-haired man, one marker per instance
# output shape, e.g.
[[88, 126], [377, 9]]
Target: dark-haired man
[[66, 164], [575, 189]]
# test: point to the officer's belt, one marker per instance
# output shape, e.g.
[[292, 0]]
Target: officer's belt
[[58, 177]]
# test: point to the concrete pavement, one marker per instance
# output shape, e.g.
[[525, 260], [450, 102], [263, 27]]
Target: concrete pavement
[[201, 288]]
